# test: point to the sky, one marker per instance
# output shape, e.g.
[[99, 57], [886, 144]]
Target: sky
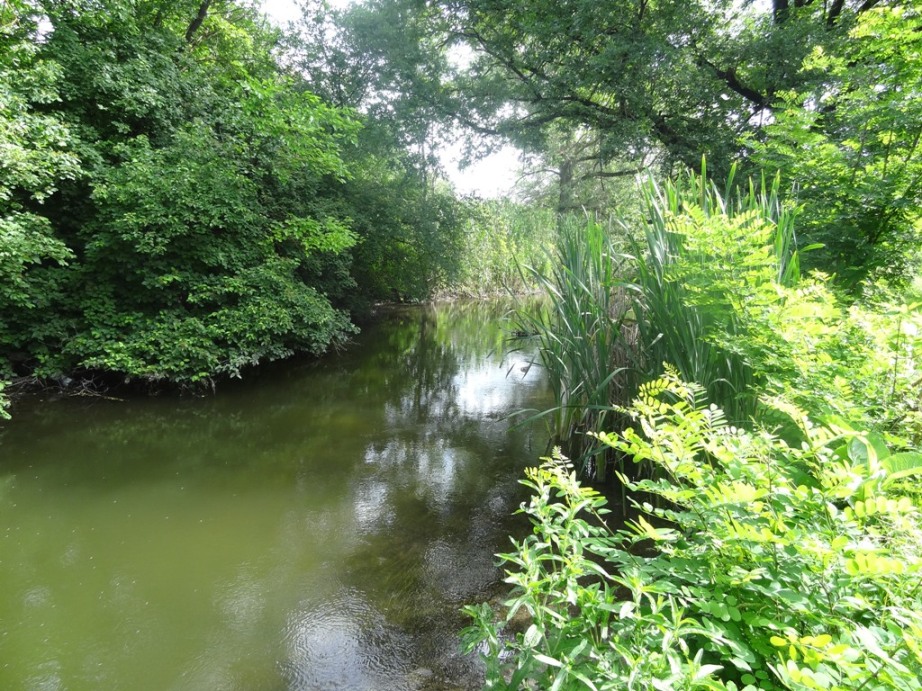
[[494, 176]]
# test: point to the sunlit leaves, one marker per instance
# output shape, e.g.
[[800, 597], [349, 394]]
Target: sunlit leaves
[[742, 577], [850, 141], [36, 156]]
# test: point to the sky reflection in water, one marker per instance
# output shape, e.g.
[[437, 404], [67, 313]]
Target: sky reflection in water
[[316, 527]]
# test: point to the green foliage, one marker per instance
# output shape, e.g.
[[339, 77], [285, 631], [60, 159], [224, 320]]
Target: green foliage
[[410, 224], [176, 205], [591, 88], [713, 286], [709, 258], [824, 92], [578, 336], [411, 236], [756, 565], [719, 294], [196, 239], [850, 141], [36, 156], [500, 239]]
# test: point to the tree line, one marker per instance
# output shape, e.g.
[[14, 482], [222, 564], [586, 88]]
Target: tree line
[[177, 203], [188, 190]]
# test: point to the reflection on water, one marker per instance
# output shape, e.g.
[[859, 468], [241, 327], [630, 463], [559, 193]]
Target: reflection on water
[[317, 527]]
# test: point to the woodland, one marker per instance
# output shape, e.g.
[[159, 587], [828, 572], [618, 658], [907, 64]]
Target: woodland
[[719, 199]]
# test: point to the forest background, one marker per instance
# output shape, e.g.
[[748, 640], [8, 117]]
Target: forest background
[[720, 199], [188, 190]]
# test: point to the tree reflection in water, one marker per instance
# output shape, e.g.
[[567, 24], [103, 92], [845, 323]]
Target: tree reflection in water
[[316, 526]]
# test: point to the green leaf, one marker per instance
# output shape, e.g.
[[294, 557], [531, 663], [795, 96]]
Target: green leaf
[[547, 660], [868, 449], [532, 636], [902, 465]]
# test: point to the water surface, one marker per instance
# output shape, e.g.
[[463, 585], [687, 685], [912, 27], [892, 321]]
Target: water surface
[[316, 527]]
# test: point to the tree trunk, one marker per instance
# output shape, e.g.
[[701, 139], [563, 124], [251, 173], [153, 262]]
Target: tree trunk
[[780, 10], [565, 192], [197, 22]]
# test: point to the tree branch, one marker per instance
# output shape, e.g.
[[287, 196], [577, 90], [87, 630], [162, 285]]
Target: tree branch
[[732, 81], [609, 174], [867, 5], [197, 22]]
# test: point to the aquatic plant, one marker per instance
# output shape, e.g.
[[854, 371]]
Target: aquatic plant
[[711, 283], [677, 293], [579, 335]]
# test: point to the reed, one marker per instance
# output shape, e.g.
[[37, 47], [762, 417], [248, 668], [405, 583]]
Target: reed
[[683, 293], [578, 336]]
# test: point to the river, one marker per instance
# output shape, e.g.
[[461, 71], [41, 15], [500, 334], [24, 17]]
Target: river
[[316, 526]]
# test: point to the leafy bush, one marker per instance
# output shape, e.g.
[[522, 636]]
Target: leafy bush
[[37, 155], [755, 564], [165, 214], [711, 262], [501, 238]]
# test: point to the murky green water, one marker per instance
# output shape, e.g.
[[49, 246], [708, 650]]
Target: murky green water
[[317, 527]]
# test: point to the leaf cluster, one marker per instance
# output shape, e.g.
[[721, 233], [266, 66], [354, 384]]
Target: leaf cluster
[[718, 292], [755, 564]]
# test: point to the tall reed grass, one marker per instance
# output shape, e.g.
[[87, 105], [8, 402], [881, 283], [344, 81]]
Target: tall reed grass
[[501, 236], [707, 257], [578, 334], [676, 290]]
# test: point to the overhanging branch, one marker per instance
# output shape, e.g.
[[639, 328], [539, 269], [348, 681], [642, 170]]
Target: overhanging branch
[[730, 78], [197, 22]]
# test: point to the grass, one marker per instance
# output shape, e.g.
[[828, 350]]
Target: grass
[[681, 294]]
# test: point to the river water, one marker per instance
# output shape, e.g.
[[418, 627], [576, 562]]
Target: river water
[[317, 526]]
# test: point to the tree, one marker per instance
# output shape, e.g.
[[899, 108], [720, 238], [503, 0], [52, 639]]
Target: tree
[[382, 60], [196, 238], [574, 174], [644, 79], [850, 141]]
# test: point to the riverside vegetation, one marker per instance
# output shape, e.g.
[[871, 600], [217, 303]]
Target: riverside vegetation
[[767, 445], [179, 201], [733, 344], [742, 362]]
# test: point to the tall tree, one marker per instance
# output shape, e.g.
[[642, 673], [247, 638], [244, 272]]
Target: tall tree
[[383, 60], [712, 78], [689, 76], [197, 239]]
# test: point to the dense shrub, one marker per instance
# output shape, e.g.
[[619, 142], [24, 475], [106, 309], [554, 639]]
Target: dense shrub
[[754, 564]]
